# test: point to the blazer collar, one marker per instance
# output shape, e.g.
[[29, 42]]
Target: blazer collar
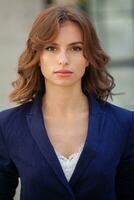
[[39, 133], [95, 106]]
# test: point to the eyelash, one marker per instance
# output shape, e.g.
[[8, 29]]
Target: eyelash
[[47, 48], [77, 48]]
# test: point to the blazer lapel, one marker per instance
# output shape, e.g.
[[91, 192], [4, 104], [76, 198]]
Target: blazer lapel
[[38, 131], [95, 123]]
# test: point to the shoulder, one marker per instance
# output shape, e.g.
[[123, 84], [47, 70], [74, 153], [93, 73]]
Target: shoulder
[[117, 110], [13, 114], [119, 115]]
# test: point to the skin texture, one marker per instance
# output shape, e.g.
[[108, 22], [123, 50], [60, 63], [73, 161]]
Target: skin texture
[[64, 56], [65, 107], [65, 91]]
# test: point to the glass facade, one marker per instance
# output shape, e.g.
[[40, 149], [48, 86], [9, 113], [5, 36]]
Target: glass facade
[[114, 22]]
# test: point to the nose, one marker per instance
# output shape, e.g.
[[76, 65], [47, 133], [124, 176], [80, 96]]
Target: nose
[[63, 59]]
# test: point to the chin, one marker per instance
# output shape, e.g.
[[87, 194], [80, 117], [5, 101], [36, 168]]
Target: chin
[[67, 83]]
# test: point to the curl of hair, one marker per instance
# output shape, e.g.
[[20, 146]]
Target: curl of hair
[[30, 82]]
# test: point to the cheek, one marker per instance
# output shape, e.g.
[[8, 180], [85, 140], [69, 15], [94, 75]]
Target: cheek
[[79, 58], [46, 63], [81, 63]]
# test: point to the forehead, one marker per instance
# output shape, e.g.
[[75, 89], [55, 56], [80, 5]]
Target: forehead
[[69, 31]]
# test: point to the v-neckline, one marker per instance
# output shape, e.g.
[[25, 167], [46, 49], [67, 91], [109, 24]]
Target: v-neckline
[[71, 156], [38, 131]]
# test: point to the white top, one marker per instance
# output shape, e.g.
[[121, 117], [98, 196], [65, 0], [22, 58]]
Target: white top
[[68, 164]]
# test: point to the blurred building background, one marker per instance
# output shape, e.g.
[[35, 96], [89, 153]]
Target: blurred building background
[[114, 22]]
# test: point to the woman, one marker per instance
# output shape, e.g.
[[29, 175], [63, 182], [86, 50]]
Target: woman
[[65, 141]]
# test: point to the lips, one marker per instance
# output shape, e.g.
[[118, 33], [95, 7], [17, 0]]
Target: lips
[[64, 71]]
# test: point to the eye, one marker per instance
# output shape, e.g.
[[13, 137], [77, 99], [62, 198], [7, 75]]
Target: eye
[[50, 48], [76, 48]]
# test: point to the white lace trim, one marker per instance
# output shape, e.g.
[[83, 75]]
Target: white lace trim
[[68, 164]]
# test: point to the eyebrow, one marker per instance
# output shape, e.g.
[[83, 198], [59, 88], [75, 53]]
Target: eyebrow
[[73, 43]]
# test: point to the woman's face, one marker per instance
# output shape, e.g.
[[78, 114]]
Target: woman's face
[[64, 53]]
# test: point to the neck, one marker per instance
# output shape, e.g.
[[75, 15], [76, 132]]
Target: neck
[[64, 101]]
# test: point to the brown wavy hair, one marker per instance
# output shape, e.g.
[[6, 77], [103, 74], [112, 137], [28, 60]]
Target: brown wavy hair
[[30, 82]]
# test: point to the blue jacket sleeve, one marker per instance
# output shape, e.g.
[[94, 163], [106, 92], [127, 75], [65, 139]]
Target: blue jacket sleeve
[[125, 175], [8, 173]]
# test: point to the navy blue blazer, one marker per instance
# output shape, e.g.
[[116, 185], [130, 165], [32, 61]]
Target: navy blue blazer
[[105, 170]]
